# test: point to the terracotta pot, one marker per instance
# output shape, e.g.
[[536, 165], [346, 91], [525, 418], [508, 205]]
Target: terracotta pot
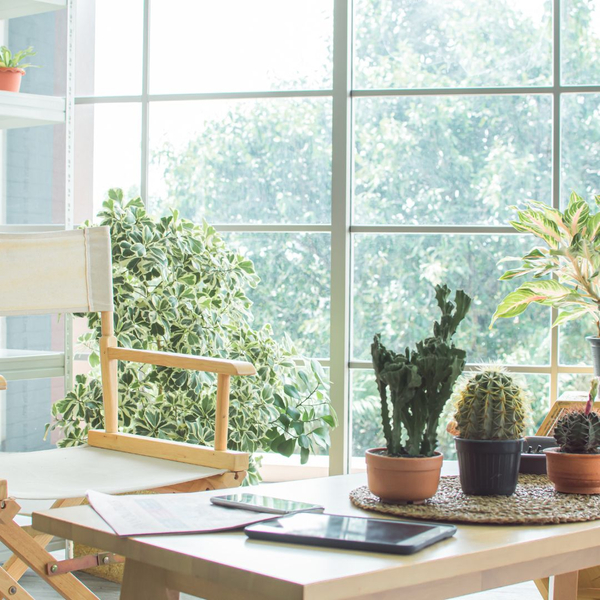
[[10, 79], [399, 479], [573, 473]]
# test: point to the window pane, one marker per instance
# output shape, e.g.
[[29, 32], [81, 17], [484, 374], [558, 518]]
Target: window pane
[[574, 348], [107, 154], [293, 294], [580, 42], [244, 161], [393, 282], [580, 148], [237, 45], [453, 160], [574, 382], [427, 43], [109, 47], [366, 411]]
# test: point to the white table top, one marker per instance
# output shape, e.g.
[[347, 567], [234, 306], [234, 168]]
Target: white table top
[[477, 557]]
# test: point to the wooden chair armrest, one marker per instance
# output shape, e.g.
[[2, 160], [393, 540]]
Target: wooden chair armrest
[[169, 450], [183, 361], [2, 383]]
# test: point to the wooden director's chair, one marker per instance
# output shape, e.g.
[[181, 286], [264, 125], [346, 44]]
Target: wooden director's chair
[[589, 579], [66, 272]]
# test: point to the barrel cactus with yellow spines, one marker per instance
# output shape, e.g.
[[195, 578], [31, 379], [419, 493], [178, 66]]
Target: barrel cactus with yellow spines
[[491, 406]]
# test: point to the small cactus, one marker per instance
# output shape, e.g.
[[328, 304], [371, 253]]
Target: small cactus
[[491, 406], [578, 432]]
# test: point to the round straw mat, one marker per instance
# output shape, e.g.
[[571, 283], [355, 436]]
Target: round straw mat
[[534, 502]]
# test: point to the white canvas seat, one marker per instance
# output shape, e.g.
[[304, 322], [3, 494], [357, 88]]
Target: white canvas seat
[[71, 472], [66, 272]]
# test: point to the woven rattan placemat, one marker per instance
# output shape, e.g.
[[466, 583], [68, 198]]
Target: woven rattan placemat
[[534, 502]]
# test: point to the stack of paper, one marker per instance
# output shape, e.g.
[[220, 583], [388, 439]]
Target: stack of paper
[[151, 514]]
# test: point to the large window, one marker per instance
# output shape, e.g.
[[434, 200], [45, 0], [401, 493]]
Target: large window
[[358, 153]]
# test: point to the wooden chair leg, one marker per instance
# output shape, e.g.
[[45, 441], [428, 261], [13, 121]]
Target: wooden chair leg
[[28, 551], [9, 588], [14, 566], [24, 546]]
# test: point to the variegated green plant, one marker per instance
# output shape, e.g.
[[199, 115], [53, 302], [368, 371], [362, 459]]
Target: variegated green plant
[[570, 253], [179, 288], [15, 61]]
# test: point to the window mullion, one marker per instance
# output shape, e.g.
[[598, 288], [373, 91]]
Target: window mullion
[[340, 235]]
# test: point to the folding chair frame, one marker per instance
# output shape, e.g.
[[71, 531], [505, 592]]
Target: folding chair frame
[[28, 546]]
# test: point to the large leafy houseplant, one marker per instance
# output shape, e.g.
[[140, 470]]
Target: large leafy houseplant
[[570, 252], [420, 383], [178, 288]]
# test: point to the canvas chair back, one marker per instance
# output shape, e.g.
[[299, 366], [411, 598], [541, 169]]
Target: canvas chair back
[[58, 272]]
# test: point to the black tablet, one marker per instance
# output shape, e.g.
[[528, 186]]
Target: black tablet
[[355, 533]]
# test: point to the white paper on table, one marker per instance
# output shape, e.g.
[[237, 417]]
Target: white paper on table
[[151, 514]]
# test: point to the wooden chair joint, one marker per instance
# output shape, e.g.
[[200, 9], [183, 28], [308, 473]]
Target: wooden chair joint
[[9, 509], [60, 567]]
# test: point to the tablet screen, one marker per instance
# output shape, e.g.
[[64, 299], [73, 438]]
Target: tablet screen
[[347, 528]]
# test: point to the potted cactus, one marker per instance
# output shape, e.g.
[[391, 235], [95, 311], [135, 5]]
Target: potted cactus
[[574, 467], [490, 419], [420, 382]]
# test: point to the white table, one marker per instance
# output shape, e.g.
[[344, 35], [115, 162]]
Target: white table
[[229, 566]]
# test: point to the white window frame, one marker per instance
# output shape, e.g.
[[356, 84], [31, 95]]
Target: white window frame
[[341, 229]]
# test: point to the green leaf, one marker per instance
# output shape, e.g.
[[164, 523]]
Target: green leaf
[[330, 420], [304, 441], [287, 448], [566, 316], [291, 391], [304, 454], [294, 413], [94, 359]]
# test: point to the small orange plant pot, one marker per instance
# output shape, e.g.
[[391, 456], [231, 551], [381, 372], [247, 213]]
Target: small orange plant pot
[[10, 78], [573, 473], [399, 480]]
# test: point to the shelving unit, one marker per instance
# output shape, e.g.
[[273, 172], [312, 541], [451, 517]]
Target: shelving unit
[[19, 110], [30, 110], [31, 364], [9, 9]]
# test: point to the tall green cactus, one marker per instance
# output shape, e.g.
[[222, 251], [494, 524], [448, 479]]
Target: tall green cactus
[[491, 406], [420, 380]]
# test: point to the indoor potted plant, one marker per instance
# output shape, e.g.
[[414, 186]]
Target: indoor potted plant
[[574, 467], [490, 420], [570, 252], [12, 68], [420, 383]]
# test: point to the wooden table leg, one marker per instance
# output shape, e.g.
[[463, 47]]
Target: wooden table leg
[[145, 581], [564, 587]]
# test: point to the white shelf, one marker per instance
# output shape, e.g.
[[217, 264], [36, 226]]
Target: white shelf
[[30, 110], [9, 9], [31, 364]]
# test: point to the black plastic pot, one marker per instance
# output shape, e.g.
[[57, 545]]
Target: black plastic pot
[[595, 344], [535, 464], [488, 467]]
